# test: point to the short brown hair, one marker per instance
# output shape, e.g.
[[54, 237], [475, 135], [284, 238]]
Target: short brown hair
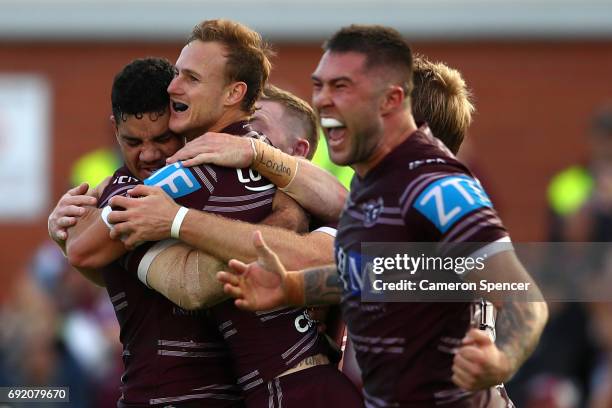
[[382, 47], [442, 99], [300, 109], [248, 58]]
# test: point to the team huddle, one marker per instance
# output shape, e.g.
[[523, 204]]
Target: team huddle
[[226, 253]]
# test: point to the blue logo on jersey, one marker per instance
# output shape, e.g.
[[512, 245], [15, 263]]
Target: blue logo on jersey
[[176, 180], [448, 199]]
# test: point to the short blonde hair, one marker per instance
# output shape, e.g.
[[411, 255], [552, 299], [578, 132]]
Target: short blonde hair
[[442, 99], [248, 58], [300, 109]]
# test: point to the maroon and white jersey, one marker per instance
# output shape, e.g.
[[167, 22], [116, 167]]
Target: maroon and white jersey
[[172, 357], [418, 193], [266, 344], [262, 345]]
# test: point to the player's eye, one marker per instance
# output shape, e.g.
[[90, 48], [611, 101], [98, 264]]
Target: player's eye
[[163, 138]]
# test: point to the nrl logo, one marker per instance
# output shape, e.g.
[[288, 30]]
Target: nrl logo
[[371, 211]]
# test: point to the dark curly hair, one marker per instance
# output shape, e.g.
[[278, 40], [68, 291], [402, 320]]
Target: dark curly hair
[[141, 87]]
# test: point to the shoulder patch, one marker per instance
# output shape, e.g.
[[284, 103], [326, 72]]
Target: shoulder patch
[[176, 180], [448, 199]]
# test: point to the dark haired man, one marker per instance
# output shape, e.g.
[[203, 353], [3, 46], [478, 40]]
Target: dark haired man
[[290, 362], [411, 354], [171, 357], [204, 74]]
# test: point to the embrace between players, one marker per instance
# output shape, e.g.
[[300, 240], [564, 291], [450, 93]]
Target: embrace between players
[[229, 196]]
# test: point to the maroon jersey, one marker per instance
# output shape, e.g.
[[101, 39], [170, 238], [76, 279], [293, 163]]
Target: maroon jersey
[[171, 356], [418, 193], [262, 345]]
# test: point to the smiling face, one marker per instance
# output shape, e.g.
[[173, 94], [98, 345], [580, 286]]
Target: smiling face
[[198, 88], [347, 98], [146, 142]]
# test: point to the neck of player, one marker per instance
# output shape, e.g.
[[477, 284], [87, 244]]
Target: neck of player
[[396, 130]]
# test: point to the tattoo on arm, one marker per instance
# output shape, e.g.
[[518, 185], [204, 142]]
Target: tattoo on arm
[[322, 285], [519, 326]]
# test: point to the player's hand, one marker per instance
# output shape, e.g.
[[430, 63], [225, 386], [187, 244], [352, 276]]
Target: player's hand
[[68, 209], [147, 216], [260, 285], [478, 363], [216, 148]]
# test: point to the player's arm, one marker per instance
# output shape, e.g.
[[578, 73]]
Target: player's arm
[[182, 274], [72, 206], [315, 189], [266, 284], [151, 216], [89, 245], [287, 213], [479, 362], [482, 363], [68, 209]]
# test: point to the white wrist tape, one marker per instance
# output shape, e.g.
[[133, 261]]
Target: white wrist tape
[[105, 211], [176, 223], [149, 256]]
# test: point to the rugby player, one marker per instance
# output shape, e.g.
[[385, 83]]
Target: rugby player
[[293, 340], [270, 370], [171, 357], [411, 354], [88, 245]]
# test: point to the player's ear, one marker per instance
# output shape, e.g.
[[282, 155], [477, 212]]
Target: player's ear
[[115, 125], [301, 148], [235, 93], [393, 99]]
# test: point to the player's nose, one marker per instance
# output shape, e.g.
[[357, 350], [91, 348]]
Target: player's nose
[[150, 155], [321, 98], [174, 86]]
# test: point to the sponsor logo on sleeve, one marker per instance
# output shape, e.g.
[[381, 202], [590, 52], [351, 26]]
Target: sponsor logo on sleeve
[[175, 180], [446, 200]]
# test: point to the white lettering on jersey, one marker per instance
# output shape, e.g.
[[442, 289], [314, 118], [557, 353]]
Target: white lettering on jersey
[[456, 182], [124, 180], [169, 180], [303, 322], [443, 216], [252, 177]]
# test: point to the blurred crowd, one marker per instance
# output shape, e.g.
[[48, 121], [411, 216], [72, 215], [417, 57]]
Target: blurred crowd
[[59, 329]]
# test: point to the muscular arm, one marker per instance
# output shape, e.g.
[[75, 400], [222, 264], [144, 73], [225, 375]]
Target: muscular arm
[[480, 363], [186, 277], [315, 189], [519, 322], [150, 217], [88, 245], [321, 285], [295, 251], [76, 209], [266, 284]]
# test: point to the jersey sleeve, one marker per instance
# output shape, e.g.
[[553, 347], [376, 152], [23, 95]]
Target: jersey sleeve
[[453, 207], [120, 183], [188, 186]]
